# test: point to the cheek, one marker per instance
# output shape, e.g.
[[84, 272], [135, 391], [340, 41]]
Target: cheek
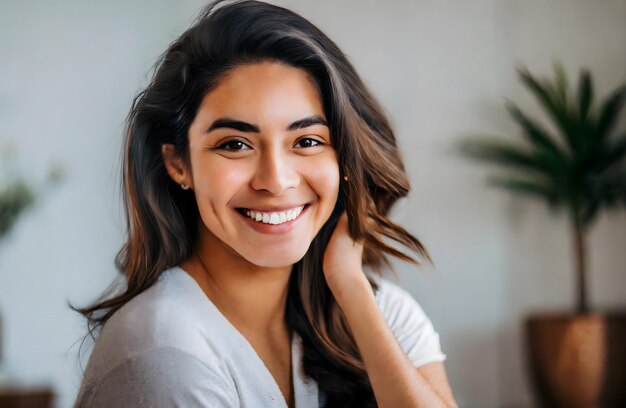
[[215, 186], [216, 182], [323, 177]]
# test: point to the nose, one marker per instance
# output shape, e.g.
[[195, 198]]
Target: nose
[[276, 171]]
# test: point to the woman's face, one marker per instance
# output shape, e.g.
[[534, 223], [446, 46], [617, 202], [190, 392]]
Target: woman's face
[[260, 148]]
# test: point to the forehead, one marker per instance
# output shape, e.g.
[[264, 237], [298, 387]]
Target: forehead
[[262, 92]]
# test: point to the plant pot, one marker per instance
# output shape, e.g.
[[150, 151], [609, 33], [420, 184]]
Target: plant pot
[[577, 360]]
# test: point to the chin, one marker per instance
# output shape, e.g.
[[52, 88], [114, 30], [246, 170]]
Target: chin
[[276, 260]]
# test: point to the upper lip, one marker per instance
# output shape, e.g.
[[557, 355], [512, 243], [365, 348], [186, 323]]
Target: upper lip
[[275, 209]]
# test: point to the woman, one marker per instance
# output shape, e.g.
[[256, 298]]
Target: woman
[[258, 175]]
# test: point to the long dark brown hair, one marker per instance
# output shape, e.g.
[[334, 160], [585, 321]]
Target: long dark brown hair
[[162, 219]]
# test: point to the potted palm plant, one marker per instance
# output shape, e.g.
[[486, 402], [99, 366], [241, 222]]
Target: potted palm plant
[[578, 358]]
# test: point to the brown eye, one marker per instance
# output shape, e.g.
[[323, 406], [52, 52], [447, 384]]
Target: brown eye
[[308, 141], [234, 144]]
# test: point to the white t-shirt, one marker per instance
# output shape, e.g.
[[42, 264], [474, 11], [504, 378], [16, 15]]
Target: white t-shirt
[[171, 347]]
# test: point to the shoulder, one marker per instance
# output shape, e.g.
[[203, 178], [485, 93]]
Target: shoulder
[[398, 305], [409, 323], [163, 317], [161, 377]]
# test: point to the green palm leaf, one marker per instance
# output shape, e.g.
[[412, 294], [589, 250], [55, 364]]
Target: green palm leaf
[[550, 98], [585, 94], [533, 188], [609, 112], [534, 133], [585, 178], [507, 154]]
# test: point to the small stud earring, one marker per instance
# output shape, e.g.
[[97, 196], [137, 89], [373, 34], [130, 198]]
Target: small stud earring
[[184, 187], [345, 178]]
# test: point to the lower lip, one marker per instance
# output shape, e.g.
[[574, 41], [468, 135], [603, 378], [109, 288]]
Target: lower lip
[[271, 228]]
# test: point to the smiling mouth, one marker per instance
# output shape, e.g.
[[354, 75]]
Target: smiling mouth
[[273, 218]]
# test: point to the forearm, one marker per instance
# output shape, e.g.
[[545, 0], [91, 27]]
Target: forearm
[[395, 380]]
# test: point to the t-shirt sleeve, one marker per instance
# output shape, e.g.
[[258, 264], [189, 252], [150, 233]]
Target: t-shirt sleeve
[[163, 377], [412, 328]]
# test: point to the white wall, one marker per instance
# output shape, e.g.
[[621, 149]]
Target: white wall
[[68, 73]]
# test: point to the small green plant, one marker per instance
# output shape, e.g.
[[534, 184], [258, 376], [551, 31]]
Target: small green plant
[[580, 167], [16, 195], [14, 199]]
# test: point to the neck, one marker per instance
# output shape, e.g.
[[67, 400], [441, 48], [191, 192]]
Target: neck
[[253, 298]]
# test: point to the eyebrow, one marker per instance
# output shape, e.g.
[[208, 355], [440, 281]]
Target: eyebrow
[[250, 127]]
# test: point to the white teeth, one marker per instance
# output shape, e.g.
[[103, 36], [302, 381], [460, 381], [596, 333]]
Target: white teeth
[[274, 217]]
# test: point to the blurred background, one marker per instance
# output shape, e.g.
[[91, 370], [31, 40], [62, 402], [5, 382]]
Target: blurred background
[[442, 70]]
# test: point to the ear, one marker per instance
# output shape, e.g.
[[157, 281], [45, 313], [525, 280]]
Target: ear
[[175, 166]]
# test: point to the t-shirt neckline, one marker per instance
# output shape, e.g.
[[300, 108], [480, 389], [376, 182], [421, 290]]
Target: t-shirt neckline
[[305, 389]]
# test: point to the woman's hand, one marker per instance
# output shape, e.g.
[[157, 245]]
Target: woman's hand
[[343, 259], [395, 381]]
